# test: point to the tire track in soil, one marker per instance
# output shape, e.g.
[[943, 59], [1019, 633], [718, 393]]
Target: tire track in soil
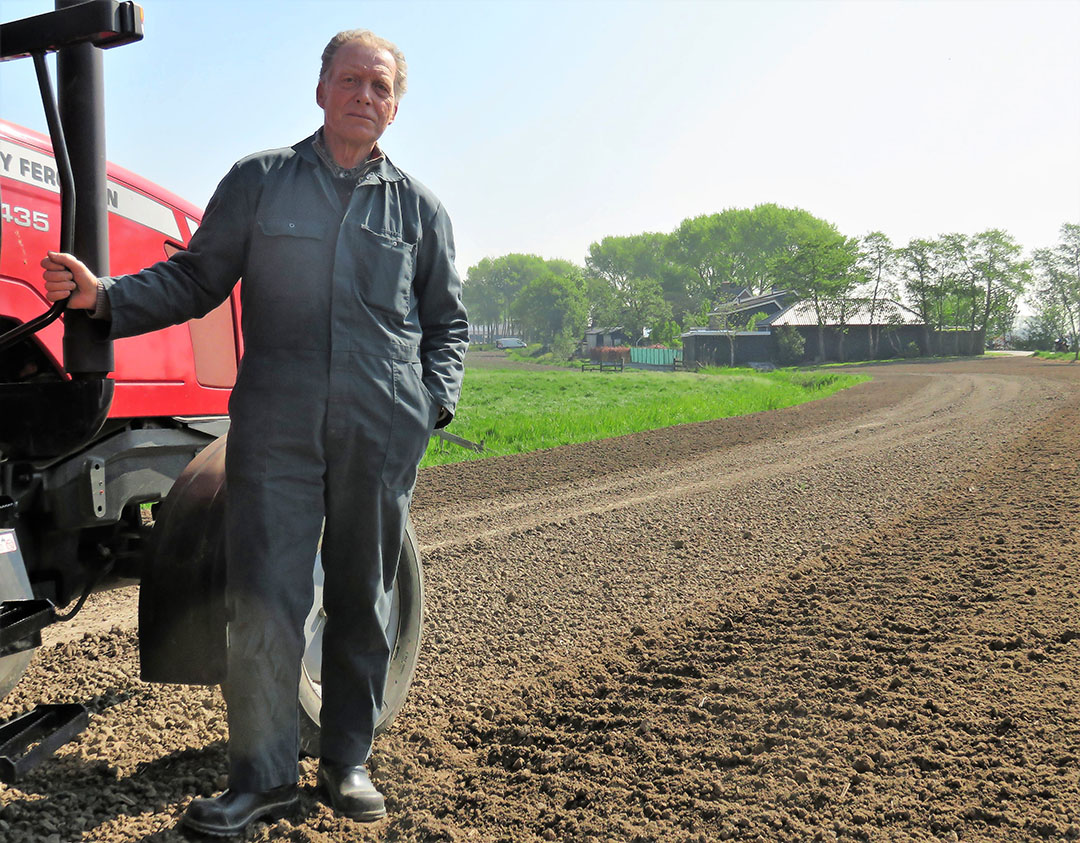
[[693, 666]]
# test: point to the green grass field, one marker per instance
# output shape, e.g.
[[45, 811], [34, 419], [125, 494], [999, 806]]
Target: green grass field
[[514, 411]]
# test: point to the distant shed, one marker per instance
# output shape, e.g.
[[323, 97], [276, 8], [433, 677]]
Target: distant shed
[[605, 337]]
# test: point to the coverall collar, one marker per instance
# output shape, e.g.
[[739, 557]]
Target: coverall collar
[[384, 170]]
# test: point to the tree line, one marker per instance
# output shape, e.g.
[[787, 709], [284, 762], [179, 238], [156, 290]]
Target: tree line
[[1056, 295], [657, 285]]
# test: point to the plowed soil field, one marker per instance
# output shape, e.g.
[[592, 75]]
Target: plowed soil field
[[857, 619]]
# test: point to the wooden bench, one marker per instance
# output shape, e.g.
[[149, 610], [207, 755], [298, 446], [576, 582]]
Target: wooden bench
[[603, 366]]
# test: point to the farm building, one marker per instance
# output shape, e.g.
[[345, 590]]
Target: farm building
[[712, 347], [863, 331], [604, 337], [891, 330]]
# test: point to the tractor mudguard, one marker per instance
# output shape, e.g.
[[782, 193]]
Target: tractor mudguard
[[182, 616]]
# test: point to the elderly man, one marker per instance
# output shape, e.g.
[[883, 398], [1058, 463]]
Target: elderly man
[[354, 337]]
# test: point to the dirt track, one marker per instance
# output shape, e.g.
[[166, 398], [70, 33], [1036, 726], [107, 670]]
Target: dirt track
[[855, 619]]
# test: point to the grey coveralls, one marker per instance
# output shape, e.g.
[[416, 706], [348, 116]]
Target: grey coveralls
[[354, 336]]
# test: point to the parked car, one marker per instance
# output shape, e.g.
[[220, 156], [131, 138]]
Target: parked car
[[510, 342]]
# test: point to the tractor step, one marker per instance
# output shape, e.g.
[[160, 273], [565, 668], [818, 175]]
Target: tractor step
[[21, 622], [29, 739]]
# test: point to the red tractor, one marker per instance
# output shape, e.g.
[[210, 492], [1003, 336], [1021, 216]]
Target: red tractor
[[112, 458]]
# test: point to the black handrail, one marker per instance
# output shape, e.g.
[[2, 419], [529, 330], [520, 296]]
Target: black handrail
[[102, 23], [67, 198]]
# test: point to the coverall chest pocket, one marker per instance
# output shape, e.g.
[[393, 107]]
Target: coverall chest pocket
[[285, 305], [386, 268]]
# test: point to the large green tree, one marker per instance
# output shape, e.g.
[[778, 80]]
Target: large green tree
[[492, 285], [957, 283], [634, 305], [821, 270], [918, 271], [553, 309], [734, 249], [707, 246], [939, 280], [633, 283], [878, 265], [1001, 273], [1057, 289], [1068, 249], [918, 274]]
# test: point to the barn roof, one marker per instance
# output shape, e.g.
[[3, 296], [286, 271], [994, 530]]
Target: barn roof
[[887, 312], [603, 330], [746, 302]]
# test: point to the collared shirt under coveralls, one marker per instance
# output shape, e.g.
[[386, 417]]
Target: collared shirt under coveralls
[[354, 336]]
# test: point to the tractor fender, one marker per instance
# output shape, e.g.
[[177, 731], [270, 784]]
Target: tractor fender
[[182, 615]]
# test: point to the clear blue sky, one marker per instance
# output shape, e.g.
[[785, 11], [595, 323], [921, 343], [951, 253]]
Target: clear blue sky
[[544, 126]]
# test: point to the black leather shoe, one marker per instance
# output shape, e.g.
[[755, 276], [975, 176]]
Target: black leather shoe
[[350, 792], [233, 811]]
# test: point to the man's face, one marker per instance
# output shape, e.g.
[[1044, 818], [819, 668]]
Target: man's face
[[357, 96]]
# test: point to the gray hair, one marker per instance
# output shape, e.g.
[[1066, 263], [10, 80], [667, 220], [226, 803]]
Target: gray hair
[[370, 39]]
